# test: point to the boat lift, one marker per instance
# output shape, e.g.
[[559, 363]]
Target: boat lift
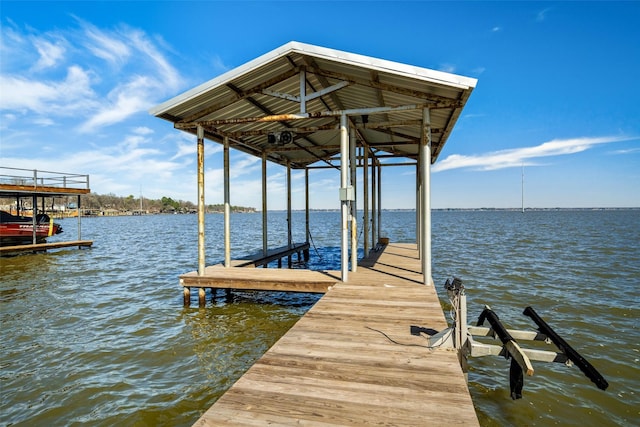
[[460, 337]]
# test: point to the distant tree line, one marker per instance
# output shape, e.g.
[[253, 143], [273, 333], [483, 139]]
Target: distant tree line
[[110, 202]]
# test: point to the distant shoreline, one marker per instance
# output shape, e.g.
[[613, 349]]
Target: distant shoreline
[[245, 212], [473, 209]]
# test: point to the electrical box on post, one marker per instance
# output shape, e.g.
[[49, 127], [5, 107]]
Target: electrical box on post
[[347, 194]]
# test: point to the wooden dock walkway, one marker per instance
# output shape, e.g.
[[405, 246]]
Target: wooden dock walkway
[[360, 356]]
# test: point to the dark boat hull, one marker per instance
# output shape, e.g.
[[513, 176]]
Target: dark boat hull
[[18, 230]]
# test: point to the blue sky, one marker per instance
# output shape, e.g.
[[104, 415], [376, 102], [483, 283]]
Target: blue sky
[[558, 92]]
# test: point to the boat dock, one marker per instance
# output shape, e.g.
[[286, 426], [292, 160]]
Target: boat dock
[[30, 184], [360, 356], [42, 247]]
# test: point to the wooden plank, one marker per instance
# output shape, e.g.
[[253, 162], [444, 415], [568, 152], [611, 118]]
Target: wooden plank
[[45, 246], [30, 189], [354, 359], [270, 279]]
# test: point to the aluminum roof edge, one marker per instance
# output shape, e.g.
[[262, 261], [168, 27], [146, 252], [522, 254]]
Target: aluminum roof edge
[[425, 74], [398, 68], [217, 81]]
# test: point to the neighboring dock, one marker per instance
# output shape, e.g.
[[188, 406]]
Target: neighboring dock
[[42, 247], [358, 357], [20, 184]]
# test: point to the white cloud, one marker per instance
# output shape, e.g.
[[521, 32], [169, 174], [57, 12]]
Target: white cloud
[[447, 68], [246, 164], [542, 15], [168, 79], [218, 66], [47, 97], [519, 156], [627, 151], [51, 53], [185, 149], [44, 121], [122, 102], [142, 130], [106, 46], [138, 75], [121, 169], [138, 91]]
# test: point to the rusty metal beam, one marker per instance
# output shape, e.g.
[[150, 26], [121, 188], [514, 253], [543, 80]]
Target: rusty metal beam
[[318, 114], [299, 130]]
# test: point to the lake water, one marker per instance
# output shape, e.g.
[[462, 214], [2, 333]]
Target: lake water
[[100, 336]]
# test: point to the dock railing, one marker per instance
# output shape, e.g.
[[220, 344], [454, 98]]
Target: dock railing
[[39, 178]]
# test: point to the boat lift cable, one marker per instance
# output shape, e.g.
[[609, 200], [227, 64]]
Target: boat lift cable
[[430, 347], [362, 229], [314, 246]]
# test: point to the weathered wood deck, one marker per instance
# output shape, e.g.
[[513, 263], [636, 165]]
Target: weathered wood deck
[[355, 358], [261, 279], [42, 247]]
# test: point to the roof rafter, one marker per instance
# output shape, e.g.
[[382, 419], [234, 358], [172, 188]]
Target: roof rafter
[[301, 116], [440, 101], [382, 100], [239, 95]]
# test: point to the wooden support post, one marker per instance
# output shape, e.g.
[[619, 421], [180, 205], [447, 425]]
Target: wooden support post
[[186, 293], [202, 297]]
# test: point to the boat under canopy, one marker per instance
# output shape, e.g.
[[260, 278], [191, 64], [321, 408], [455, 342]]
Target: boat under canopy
[[18, 230]]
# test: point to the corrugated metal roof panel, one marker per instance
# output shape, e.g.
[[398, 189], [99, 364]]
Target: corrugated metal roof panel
[[234, 103]]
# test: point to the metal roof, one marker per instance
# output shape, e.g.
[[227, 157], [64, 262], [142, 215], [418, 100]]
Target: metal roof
[[303, 89]]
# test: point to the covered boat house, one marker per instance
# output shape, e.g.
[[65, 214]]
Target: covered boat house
[[32, 184], [303, 107]]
